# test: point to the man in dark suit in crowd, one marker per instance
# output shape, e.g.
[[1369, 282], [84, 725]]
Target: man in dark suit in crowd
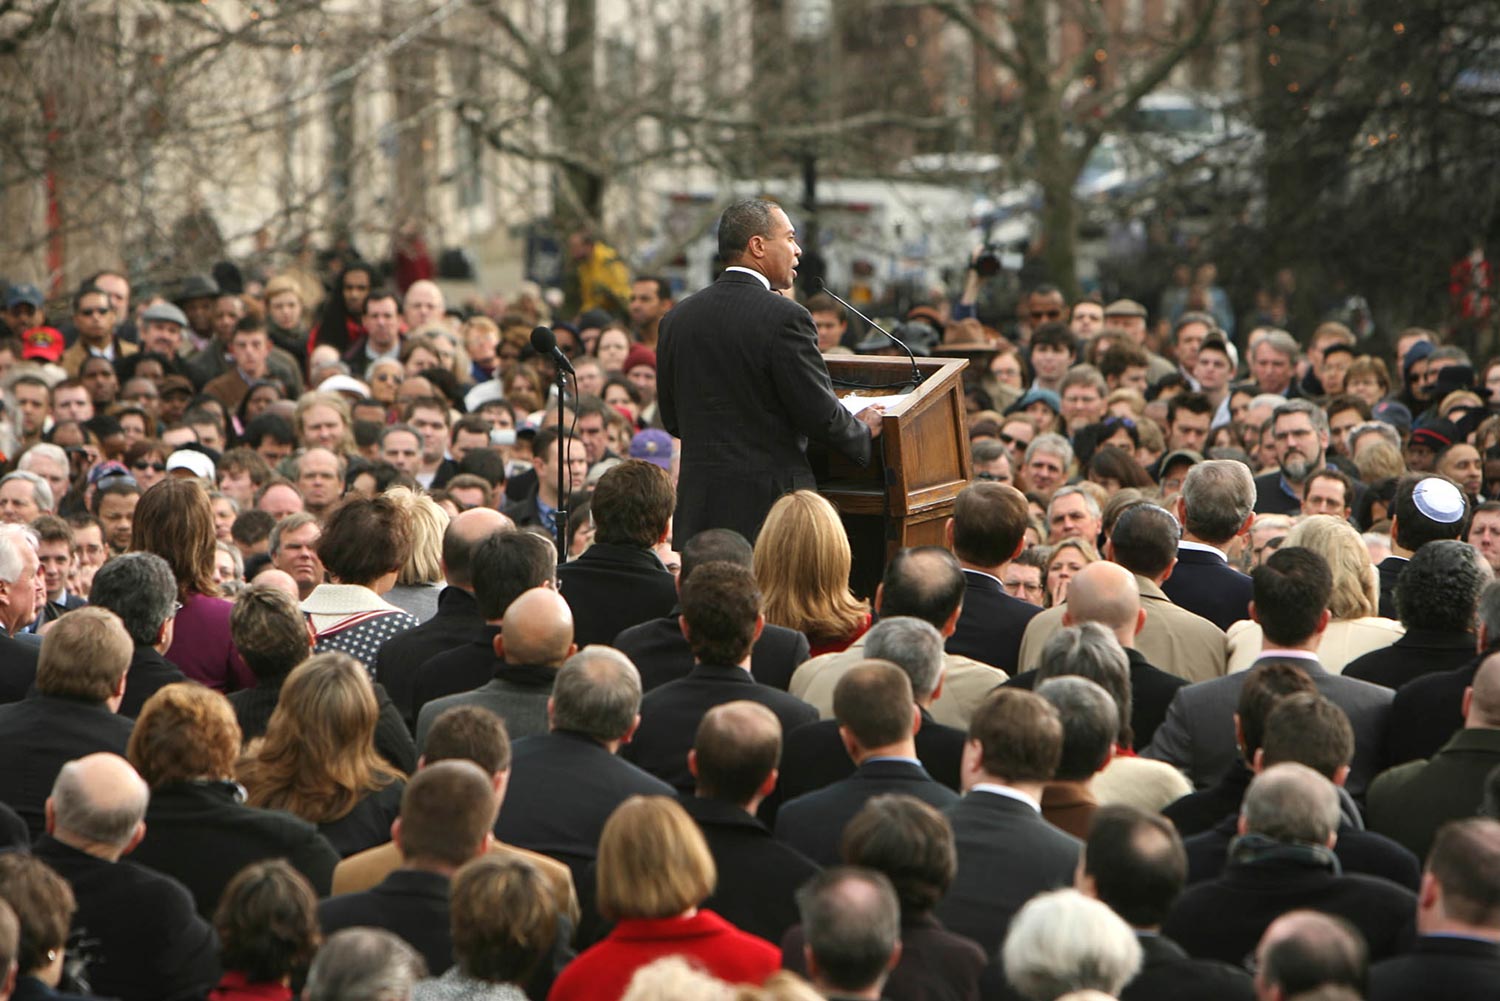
[[1134, 862], [619, 582], [721, 618], [457, 619], [1216, 505], [878, 720], [565, 784], [447, 811], [1107, 594], [813, 756], [1266, 684], [660, 651], [135, 931], [1307, 729], [1292, 589], [1436, 595], [80, 683], [741, 382], [1283, 860], [988, 530], [141, 589], [1305, 951], [1411, 801], [1427, 507], [18, 606], [1457, 955], [505, 565], [1006, 852], [1427, 711], [536, 637]]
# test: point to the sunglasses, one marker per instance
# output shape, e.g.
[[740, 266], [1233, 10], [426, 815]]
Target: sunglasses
[[157, 467]]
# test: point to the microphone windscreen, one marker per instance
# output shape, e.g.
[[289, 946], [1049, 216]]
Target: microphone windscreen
[[543, 340]]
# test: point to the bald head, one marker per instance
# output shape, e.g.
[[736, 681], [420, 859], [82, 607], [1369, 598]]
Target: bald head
[[1302, 950], [280, 580], [1291, 803], [538, 628], [463, 535], [97, 805], [1105, 593], [736, 750], [1482, 703]]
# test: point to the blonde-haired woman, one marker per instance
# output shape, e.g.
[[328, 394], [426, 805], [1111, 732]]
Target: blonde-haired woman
[[1355, 626], [654, 872], [421, 576], [318, 760], [802, 561], [1067, 558]]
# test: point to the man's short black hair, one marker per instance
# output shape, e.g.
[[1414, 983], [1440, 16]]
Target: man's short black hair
[[1291, 590], [1193, 403], [1268, 682], [508, 564], [720, 605], [1055, 334], [273, 426], [1137, 862], [1439, 587], [1145, 539], [714, 545], [663, 287], [925, 582], [741, 221]]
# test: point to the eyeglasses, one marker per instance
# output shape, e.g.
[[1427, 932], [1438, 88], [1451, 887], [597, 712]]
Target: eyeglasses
[[1009, 440], [176, 607], [96, 311], [158, 467]]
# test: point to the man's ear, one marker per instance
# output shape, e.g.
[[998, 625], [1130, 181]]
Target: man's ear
[[499, 645], [879, 596]]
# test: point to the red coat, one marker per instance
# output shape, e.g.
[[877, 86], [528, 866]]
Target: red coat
[[602, 972]]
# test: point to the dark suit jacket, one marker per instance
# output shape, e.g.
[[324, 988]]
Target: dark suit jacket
[[1151, 692], [563, 787], [200, 833], [660, 652], [1199, 811], [401, 657], [814, 824], [611, 588], [149, 671], [410, 904], [461, 669], [1271, 499], [1439, 967], [1224, 918], [1206, 585], [1418, 652], [813, 756], [1168, 974], [1007, 854], [1426, 712], [17, 668], [670, 716], [1358, 851], [135, 930], [13, 832], [42, 733], [1389, 570], [935, 964], [1198, 733], [368, 824], [741, 382], [1411, 801], [253, 708], [991, 624]]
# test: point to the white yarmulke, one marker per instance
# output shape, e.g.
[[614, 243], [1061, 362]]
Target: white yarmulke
[[1439, 500]]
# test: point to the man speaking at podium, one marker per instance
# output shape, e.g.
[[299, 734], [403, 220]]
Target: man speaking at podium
[[741, 382]]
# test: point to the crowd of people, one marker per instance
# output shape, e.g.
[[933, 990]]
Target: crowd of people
[[343, 657]]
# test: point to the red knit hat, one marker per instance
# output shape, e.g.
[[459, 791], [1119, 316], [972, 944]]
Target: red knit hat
[[639, 355]]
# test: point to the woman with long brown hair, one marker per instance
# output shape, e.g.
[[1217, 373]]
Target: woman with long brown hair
[[318, 760], [802, 561], [175, 520]]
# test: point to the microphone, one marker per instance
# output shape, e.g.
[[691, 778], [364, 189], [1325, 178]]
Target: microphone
[[544, 342], [916, 373]]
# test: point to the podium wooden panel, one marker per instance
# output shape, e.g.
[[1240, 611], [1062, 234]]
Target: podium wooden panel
[[920, 462]]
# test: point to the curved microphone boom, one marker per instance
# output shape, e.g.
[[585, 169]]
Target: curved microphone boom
[[916, 373], [544, 342]]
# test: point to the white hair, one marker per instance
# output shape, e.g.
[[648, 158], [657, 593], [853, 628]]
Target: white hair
[[41, 490], [1054, 444], [43, 450], [11, 560], [1063, 941]]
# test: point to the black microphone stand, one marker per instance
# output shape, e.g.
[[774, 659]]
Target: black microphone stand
[[916, 372], [560, 518]]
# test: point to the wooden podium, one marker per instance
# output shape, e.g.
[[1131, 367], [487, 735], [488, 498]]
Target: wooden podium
[[920, 461]]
